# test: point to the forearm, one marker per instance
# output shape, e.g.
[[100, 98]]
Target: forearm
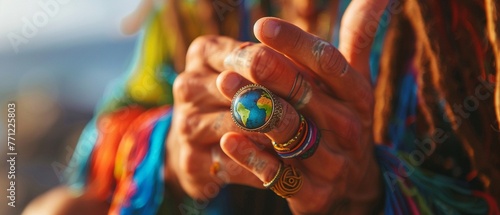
[[62, 200]]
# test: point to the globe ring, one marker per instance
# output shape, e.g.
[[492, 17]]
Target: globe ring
[[255, 108]]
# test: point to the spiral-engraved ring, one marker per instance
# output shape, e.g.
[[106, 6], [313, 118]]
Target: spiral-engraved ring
[[286, 182]]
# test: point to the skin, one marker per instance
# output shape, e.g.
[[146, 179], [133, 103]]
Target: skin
[[351, 184], [201, 118]]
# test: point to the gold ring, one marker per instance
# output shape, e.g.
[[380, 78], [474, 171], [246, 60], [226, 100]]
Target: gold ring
[[283, 147], [214, 168], [275, 178], [286, 182], [216, 165]]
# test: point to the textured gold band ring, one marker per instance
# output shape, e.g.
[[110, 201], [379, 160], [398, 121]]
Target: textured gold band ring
[[286, 182], [284, 147]]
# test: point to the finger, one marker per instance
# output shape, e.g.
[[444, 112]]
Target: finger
[[262, 65], [261, 163], [208, 128], [357, 31], [265, 166], [199, 90], [287, 128], [230, 82], [209, 172], [266, 67], [210, 51], [321, 57], [226, 170], [338, 118]]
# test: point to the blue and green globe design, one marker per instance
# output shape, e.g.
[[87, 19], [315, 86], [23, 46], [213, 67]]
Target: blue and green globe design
[[252, 108]]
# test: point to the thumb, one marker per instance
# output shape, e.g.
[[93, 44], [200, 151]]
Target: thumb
[[357, 30]]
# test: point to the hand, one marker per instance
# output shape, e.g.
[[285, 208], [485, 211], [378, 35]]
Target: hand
[[342, 175], [200, 119]]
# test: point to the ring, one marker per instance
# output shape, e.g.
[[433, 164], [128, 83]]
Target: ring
[[298, 84], [216, 166], [283, 147], [275, 178], [293, 92], [344, 70], [306, 95], [307, 145], [286, 182], [255, 108]]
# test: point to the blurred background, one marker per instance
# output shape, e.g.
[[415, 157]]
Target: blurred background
[[56, 59]]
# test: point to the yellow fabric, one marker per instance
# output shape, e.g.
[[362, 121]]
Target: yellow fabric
[[145, 86]]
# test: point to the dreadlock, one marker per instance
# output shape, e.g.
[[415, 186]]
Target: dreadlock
[[454, 49]]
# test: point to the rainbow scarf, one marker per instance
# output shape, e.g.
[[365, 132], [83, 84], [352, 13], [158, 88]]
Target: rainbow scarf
[[126, 163]]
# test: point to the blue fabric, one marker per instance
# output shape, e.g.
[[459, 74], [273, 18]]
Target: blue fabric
[[442, 195], [76, 173], [149, 176]]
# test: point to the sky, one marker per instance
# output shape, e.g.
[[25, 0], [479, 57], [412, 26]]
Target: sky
[[58, 22], [73, 47]]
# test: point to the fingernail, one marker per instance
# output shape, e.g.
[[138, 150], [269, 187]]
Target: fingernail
[[232, 82], [271, 29]]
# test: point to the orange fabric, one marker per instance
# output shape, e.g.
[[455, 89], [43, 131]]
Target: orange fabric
[[111, 128]]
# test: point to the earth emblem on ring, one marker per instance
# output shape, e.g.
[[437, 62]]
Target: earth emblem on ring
[[252, 108]]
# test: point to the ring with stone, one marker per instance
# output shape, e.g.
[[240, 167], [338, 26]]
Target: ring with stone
[[255, 108]]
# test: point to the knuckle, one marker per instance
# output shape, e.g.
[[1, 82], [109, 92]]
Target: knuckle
[[181, 125], [331, 61], [181, 88], [186, 86], [198, 47], [193, 122], [188, 121], [265, 66]]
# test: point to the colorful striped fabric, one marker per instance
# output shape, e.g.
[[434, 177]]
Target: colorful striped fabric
[[126, 163]]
